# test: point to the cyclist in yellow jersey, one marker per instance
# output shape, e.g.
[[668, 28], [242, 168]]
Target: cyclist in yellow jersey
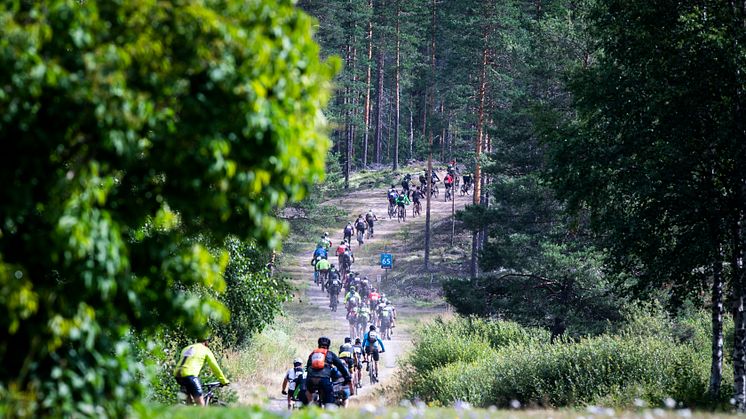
[[190, 363]]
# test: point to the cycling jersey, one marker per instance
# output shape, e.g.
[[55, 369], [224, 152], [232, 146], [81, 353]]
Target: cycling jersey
[[377, 344], [323, 265], [351, 296], [192, 359], [402, 200]]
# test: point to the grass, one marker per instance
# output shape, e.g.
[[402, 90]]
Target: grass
[[409, 411]]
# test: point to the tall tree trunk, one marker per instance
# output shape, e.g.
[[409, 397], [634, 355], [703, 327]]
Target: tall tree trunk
[[348, 58], [379, 103], [411, 130], [367, 85], [396, 82], [430, 144], [482, 91], [443, 132], [716, 369], [354, 95]]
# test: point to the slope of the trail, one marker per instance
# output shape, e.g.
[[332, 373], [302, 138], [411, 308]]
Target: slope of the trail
[[310, 309]]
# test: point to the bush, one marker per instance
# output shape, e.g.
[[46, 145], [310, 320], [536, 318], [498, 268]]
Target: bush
[[493, 363], [439, 344]]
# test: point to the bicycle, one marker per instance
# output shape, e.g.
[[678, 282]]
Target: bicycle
[[448, 194], [402, 214], [416, 209], [392, 209], [333, 301], [209, 396], [360, 240]]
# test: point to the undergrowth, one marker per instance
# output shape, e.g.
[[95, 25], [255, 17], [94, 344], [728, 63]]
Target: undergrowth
[[496, 363]]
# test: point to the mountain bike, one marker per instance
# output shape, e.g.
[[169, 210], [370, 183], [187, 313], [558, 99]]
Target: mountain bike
[[392, 209], [360, 235], [402, 214], [416, 209], [448, 194], [209, 396], [333, 301]]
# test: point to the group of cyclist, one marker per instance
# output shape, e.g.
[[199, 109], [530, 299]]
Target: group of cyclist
[[399, 199]]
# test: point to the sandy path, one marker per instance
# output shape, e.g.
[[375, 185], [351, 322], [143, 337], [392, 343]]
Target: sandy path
[[388, 237]]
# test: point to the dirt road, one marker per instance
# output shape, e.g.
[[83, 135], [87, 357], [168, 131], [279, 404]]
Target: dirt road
[[390, 237]]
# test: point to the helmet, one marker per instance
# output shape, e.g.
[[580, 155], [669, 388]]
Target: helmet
[[388, 303], [352, 288], [331, 266], [372, 327], [297, 361], [392, 186], [326, 234], [357, 340], [348, 340], [325, 342]]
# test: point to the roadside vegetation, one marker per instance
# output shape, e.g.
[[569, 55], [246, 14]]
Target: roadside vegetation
[[651, 360]]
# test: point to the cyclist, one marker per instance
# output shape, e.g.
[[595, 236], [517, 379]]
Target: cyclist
[[392, 195], [320, 252], [190, 363], [423, 177], [370, 218], [448, 181], [388, 314], [341, 386], [352, 295], [319, 367], [323, 266], [341, 250], [405, 183], [347, 260], [347, 232], [402, 201], [360, 226], [416, 196], [357, 351], [373, 297], [372, 345], [325, 242], [434, 178], [467, 183], [333, 285], [293, 382], [347, 354]]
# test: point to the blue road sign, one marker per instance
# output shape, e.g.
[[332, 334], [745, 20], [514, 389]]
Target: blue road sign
[[387, 261]]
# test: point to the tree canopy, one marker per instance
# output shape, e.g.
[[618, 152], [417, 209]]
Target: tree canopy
[[136, 136]]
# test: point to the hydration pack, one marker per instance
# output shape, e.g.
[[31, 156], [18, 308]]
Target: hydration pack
[[361, 225], [348, 230], [318, 358]]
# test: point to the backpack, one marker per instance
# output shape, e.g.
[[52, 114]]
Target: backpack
[[348, 230], [347, 258], [318, 358], [372, 337], [369, 217], [361, 225]]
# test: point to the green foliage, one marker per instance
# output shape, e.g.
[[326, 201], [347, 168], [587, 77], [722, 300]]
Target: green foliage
[[647, 361], [252, 296], [138, 136]]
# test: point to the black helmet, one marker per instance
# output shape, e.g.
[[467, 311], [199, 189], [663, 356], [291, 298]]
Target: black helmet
[[348, 340], [357, 340], [324, 342], [372, 327], [392, 186]]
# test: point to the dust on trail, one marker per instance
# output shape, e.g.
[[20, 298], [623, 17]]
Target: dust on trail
[[320, 321]]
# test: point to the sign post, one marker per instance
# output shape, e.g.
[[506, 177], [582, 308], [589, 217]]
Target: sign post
[[387, 262]]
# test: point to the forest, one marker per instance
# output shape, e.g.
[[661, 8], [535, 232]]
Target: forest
[[607, 139], [150, 148]]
